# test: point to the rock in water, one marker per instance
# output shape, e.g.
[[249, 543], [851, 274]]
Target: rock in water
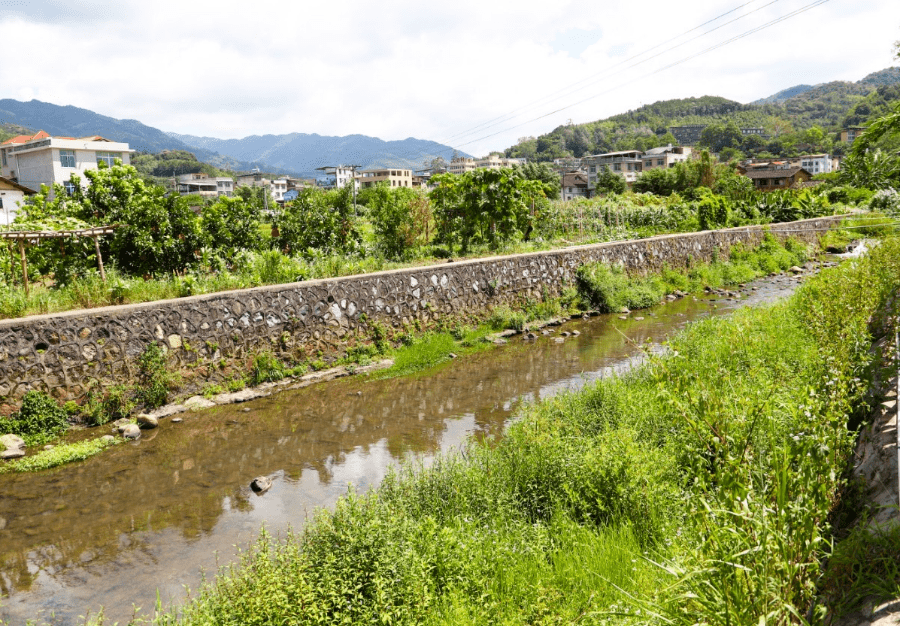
[[131, 431], [107, 438], [147, 421], [261, 484]]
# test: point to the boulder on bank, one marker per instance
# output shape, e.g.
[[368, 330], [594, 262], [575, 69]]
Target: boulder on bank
[[147, 422], [12, 453]]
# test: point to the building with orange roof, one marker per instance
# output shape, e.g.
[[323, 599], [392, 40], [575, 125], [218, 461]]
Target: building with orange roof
[[41, 159]]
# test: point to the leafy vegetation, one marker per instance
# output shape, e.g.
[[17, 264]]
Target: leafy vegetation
[[58, 455], [40, 419], [694, 489]]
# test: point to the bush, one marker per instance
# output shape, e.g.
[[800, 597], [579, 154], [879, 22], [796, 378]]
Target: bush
[[39, 419], [109, 405], [154, 377], [266, 368]]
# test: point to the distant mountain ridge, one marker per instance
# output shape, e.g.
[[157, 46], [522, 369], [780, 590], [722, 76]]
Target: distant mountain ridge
[[296, 154], [303, 152], [71, 121]]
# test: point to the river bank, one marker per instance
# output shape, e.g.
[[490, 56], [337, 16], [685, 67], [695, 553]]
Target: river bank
[[696, 487], [166, 505]]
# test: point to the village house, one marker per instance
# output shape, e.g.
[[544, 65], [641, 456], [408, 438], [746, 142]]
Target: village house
[[336, 176], [39, 159], [665, 157], [393, 177], [574, 185], [12, 195], [849, 134], [626, 164], [277, 187], [204, 185], [775, 178]]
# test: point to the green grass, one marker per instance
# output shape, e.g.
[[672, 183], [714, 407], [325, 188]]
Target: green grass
[[58, 455], [695, 489], [610, 289], [864, 565]]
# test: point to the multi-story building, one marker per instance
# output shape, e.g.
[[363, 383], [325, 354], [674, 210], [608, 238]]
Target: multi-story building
[[277, 187], [664, 157], [393, 177], [816, 163], [204, 185], [336, 176], [850, 134], [627, 164], [35, 160], [12, 195], [461, 165], [495, 162]]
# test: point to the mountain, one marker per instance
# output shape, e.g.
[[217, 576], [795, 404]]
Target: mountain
[[784, 117], [70, 121], [302, 152], [784, 94]]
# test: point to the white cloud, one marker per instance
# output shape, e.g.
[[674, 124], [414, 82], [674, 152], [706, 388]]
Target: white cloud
[[434, 71]]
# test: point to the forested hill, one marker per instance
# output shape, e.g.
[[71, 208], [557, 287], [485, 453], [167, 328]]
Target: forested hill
[[798, 118]]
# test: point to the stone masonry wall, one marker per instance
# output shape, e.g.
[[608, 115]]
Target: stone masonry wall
[[211, 336]]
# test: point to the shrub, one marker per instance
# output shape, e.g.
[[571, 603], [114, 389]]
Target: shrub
[[154, 377], [108, 405], [266, 368], [39, 419]]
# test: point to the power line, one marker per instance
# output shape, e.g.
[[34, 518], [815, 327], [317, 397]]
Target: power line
[[597, 77], [752, 31]]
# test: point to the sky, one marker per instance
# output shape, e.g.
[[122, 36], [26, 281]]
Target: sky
[[476, 75]]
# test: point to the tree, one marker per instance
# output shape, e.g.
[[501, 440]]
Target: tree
[[317, 220], [400, 218], [232, 224], [156, 234], [544, 173], [482, 206], [609, 182]]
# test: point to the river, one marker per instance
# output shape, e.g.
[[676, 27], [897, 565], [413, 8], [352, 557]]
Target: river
[[152, 516]]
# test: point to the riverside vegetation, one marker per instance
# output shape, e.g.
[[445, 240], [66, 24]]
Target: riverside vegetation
[[696, 488]]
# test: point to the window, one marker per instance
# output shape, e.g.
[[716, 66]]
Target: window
[[69, 187], [3, 156], [67, 158], [593, 169], [106, 157], [660, 161], [617, 167]]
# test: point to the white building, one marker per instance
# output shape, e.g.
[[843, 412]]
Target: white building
[[816, 163], [32, 161], [336, 176], [627, 164], [12, 195], [206, 186]]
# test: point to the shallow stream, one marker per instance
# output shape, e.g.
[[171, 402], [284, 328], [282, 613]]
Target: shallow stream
[[154, 514]]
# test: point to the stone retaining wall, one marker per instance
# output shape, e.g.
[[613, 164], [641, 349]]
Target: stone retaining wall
[[211, 336]]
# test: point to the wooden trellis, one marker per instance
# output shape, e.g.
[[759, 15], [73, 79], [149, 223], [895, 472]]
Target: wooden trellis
[[31, 237]]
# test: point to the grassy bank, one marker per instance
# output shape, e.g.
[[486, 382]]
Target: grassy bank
[[695, 489]]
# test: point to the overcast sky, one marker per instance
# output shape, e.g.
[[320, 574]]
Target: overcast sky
[[472, 74]]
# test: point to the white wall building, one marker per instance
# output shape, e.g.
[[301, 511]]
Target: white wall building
[[337, 176], [12, 195], [816, 163], [44, 160], [206, 186]]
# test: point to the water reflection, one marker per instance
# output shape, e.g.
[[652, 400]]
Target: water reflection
[[150, 515]]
